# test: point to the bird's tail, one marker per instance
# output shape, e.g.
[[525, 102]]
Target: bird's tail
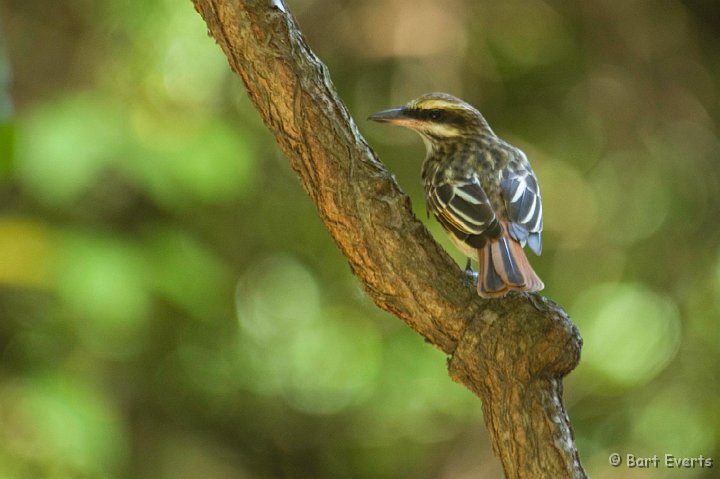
[[504, 266]]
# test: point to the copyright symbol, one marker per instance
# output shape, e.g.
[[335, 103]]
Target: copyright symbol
[[615, 459]]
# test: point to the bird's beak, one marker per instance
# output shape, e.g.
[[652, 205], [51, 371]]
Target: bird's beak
[[394, 115]]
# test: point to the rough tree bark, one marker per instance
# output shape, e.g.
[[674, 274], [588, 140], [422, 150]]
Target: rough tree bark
[[513, 352]]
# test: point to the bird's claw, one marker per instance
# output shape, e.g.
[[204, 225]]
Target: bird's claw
[[473, 275]]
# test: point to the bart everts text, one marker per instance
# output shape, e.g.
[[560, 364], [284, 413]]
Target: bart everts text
[[656, 461]]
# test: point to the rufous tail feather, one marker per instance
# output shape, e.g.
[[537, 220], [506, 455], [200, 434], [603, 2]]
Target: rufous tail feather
[[504, 267]]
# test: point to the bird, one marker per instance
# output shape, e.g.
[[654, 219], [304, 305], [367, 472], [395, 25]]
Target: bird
[[480, 188]]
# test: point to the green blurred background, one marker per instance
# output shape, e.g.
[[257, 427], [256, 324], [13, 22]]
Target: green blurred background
[[172, 307]]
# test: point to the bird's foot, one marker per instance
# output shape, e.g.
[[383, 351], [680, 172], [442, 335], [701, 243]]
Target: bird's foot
[[473, 275]]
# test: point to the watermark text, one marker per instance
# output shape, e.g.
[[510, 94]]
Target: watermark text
[[667, 461]]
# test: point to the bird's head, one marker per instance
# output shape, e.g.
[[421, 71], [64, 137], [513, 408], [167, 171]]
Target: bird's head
[[438, 117]]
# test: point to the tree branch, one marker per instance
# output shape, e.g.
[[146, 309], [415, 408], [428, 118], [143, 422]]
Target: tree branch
[[512, 352]]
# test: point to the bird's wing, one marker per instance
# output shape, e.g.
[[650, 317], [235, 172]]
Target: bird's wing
[[522, 200], [462, 207]]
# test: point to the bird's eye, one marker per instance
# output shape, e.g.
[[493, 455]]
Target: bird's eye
[[435, 114]]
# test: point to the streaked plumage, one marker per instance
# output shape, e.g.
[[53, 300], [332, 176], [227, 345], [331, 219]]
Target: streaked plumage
[[480, 188]]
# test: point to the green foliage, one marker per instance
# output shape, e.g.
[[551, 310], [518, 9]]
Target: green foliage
[[171, 306]]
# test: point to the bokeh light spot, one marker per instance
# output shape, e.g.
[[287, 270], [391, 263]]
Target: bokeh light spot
[[64, 422], [190, 161], [103, 284], [26, 251], [537, 35], [192, 68], [186, 272], [319, 358], [630, 333], [632, 209], [333, 365], [63, 146], [570, 208], [672, 423], [277, 296]]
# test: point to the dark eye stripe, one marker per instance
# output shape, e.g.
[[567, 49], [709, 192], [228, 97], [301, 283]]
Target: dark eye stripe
[[436, 115]]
